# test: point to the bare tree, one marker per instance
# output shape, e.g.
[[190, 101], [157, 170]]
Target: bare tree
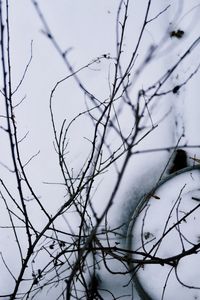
[[65, 257]]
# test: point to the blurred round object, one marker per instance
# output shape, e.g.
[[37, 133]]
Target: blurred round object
[[165, 227]]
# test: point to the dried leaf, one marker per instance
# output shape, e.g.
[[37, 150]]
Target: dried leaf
[[147, 235], [176, 89], [177, 33]]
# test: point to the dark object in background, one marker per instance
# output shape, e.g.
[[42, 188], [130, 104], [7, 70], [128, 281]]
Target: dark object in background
[[93, 288], [179, 162], [177, 33]]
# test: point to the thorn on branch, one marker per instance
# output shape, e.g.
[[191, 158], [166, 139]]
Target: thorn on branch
[[64, 54], [48, 34]]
